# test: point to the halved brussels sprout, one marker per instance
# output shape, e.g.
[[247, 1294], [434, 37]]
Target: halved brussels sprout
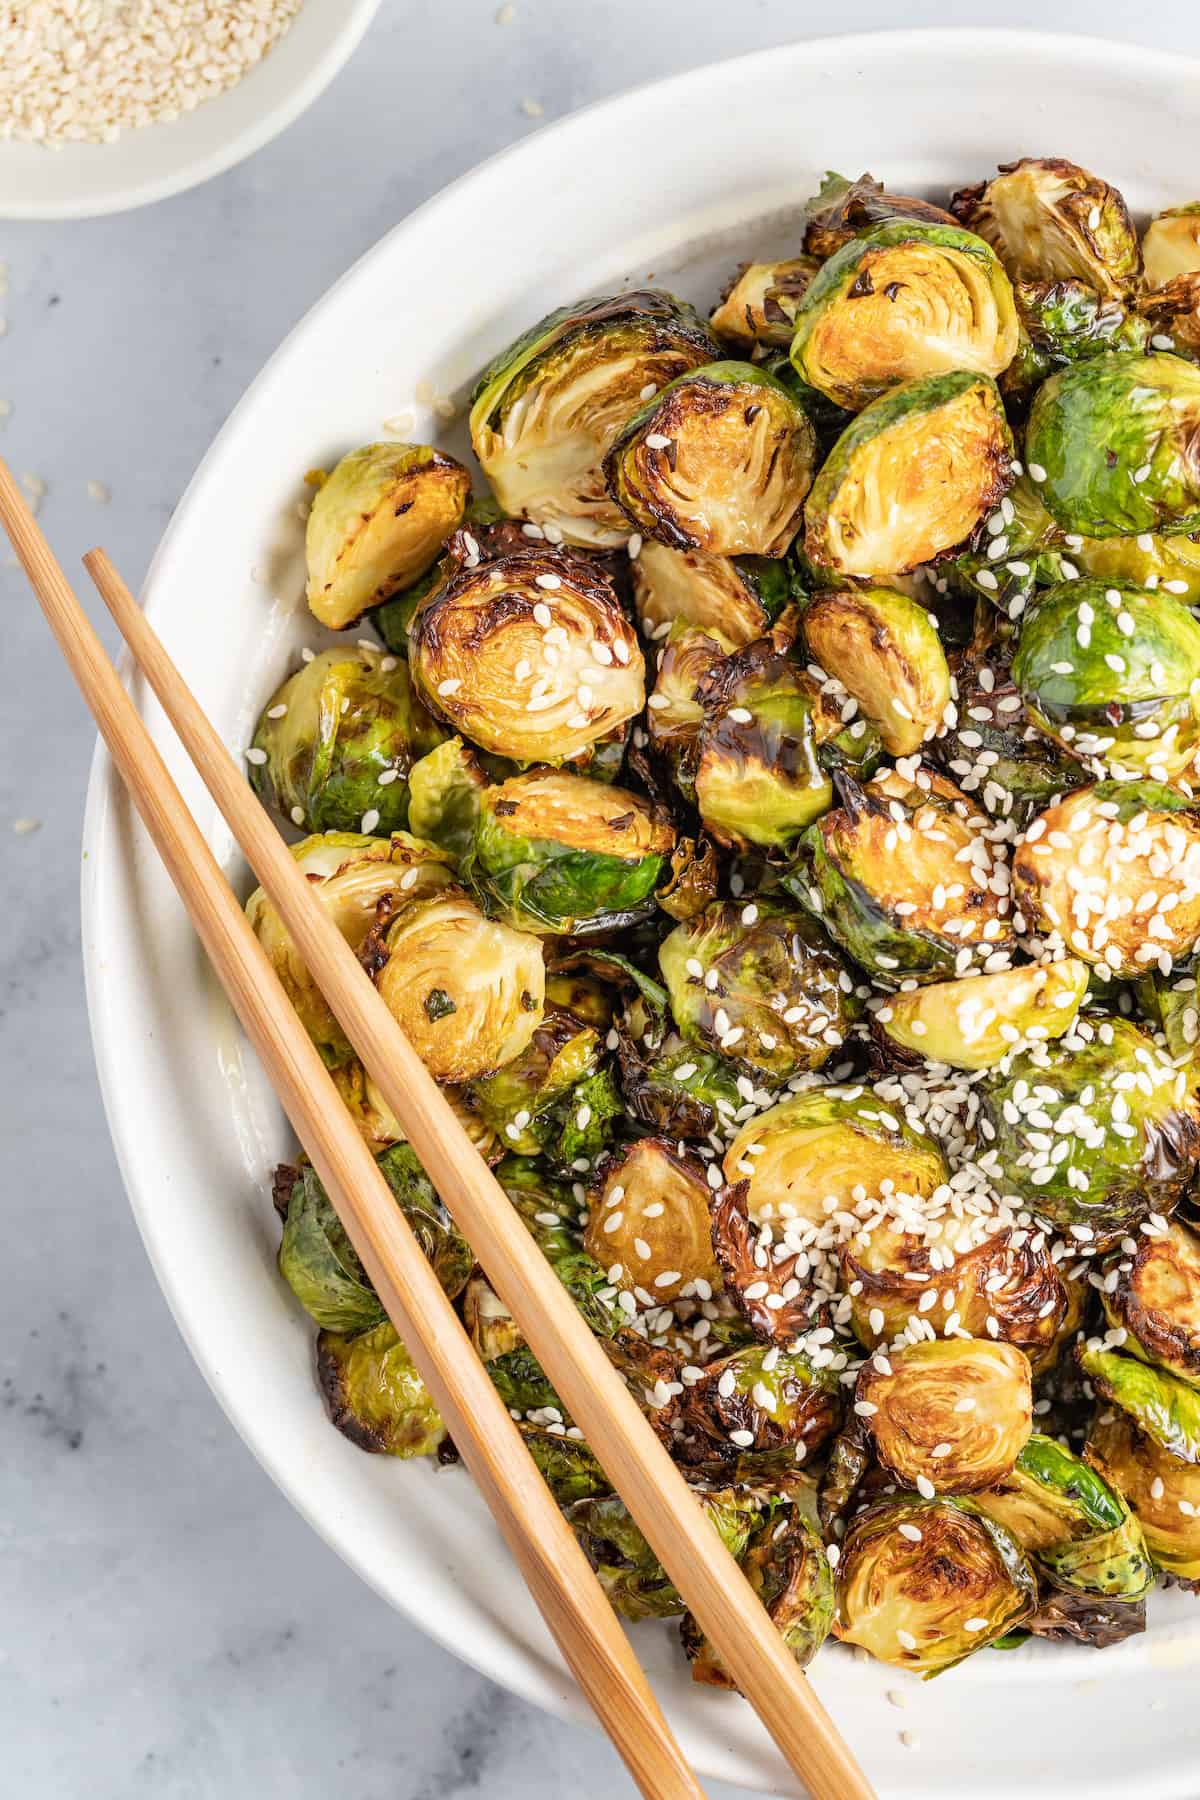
[[490, 1326], [1171, 244], [467, 990], [950, 1414], [374, 1395], [902, 301], [922, 1584], [1114, 445], [842, 208], [978, 1020], [1150, 560], [530, 656], [1162, 1489], [1113, 872], [762, 1399], [556, 852], [648, 1220], [910, 477], [444, 791], [551, 1212], [771, 1285], [885, 650], [677, 1090], [1065, 322], [378, 1125], [1167, 1410], [1050, 220], [675, 709], [377, 523], [560, 1055], [759, 984], [1172, 314], [786, 1565], [349, 875], [1095, 1130], [905, 879], [720, 460], [759, 305], [629, 1572], [333, 747], [737, 598], [545, 411], [692, 881], [1157, 1299]]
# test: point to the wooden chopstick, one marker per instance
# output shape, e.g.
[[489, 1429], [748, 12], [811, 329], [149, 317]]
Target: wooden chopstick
[[634, 1460], [554, 1567]]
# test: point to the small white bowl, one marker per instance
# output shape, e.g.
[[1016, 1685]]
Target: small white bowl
[[81, 181]]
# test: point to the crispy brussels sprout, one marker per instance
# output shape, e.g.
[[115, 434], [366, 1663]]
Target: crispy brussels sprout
[[350, 875], [720, 460], [490, 1326], [841, 209], [778, 1003], [1156, 1298], [648, 1221], [786, 1565], [675, 712], [1078, 1530], [1050, 220], [910, 477], [905, 879], [760, 1399], [953, 1414], [692, 880], [524, 1386], [531, 1088], [556, 852], [530, 656], [1171, 244], [374, 1395], [1113, 873], [769, 1285], [678, 1090], [993, 751], [1114, 445], [467, 990], [444, 791], [545, 411], [1124, 1112], [885, 650], [925, 1597], [1066, 322], [376, 525], [333, 747], [977, 1021], [758, 308], [735, 597], [378, 1125], [901, 301], [1163, 1490], [551, 1213], [1172, 314], [629, 1572], [1167, 1410], [567, 1467]]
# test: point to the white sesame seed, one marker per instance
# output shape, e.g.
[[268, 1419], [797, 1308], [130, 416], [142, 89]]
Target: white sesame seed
[[257, 757]]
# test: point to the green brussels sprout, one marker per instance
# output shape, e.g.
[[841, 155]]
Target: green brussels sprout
[[444, 791], [905, 880], [1066, 322], [333, 747], [350, 875], [719, 460], [1166, 1410], [561, 1053], [902, 301], [545, 411], [374, 1395], [556, 852], [777, 1004], [648, 1221], [484, 532], [1171, 244], [539, 1199], [567, 1466], [762, 1399], [1156, 1299], [842, 209], [758, 307], [978, 1020], [993, 752], [1113, 873], [948, 1415], [679, 1091], [467, 991], [1150, 560], [910, 477], [1171, 1003], [634, 1580], [1076, 1528], [377, 523], [524, 1386], [1162, 1489], [490, 1326], [1050, 220], [925, 1597], [675, 708], [1113, 445], [734, 598], [885, 650], [786, 1565], [529, 656], [1126, 1115], [692, 880]]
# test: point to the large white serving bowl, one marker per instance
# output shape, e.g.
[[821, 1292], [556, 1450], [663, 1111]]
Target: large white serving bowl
[[677, 182], [81, 181]]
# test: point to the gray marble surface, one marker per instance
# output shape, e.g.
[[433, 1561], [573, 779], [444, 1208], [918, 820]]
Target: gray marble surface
[[170, 1626]]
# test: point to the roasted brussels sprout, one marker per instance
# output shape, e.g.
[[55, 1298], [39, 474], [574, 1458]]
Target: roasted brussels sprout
[[374, 1395], [1150, 560], [675, 709], [841, 209], [770, 1285], [1114, 445], [901, 301], [567, 1466], [758, 308], [977, 1021], [758, 983], [530, 656], [376, 525], [629, 1572], [378, 1125], [1165, 1409], [333, 748], [735, 597], [924, 1583], [530, 1088], [948, 1415], [1171, 244], [1050, 220], [350, 875], [1124, 1113], [720, 460], [1162, 1489], [1172, 315], [676, 1089], [786, 1565], [762, 1399], [467, 990], [992, 750], [910, 477], [648, 1221], [1153, 1292], [692, 880], [490, 1326], [544, 412], [884, 649], [1113, 873], [1065, 322], [552, 1213], [444, 791]]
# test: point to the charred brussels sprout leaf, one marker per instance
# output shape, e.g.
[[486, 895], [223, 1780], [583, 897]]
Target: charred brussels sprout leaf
[[648, 1220], [718, 461], [1171, 244], [490, 1326], [758, 308], [1157, 1300], [692, 881], [736, 597], [540, 1199], [842, 209], [786, 1565], [675, 709], [953, 1413], [1162, 1489], [1066, 322], [545, 411], [994, 752], [524, 1386], [377, 523], [374, 1394], [758, 1399], [910, 477], [630, 1574], [885, 650], [681, 1092], [1172, 314], [567, 1467], [977, 1021], [1050, 220], [561, 1053], [1166, 1410]]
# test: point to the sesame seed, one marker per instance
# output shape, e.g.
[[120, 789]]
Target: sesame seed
[[277, 712], [906, 1639], [925, 1487], [297, 815], [742, 1439], [655, 440], [450, 686], [257, 757], [370, 820]]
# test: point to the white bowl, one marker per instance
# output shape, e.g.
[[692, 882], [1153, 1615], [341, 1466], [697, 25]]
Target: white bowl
[[80, 181], [674, 182]]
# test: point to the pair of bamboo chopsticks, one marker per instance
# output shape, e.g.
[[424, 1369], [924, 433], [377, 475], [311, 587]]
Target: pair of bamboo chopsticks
[[637, 1464]]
